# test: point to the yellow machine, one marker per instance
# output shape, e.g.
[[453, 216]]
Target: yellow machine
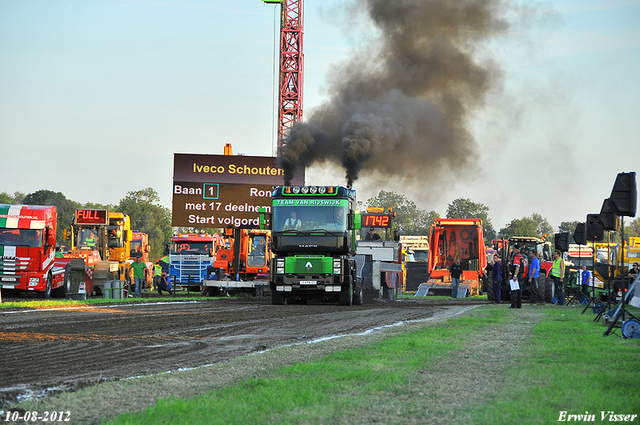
[[608, 265], [102, 239]]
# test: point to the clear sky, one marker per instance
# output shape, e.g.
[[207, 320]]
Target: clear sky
[[97, 95]]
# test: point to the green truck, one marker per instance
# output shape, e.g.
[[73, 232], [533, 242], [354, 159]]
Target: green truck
[[313, 240]]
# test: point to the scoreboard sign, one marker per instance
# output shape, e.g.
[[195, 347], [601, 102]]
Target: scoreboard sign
[[376, 220], [91, 216], [223, 190]]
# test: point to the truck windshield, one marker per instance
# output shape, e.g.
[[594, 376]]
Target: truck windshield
[[421, 256], [526, 247], [191, 247], [136, 245], [309, 218], [257, 251], [21, 237], [116, 239], [581, 261]]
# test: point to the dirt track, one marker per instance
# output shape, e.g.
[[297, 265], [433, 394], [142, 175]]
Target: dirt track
[[72, 347]]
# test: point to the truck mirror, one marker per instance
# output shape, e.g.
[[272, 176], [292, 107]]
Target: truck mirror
[[396, 235], [50, 237], [65, 234], [357, 220], [265, 220], [147, 248]]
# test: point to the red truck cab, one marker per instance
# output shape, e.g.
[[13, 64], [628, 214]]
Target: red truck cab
[[27, 250]]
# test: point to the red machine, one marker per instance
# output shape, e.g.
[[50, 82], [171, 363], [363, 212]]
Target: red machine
[[544, 249], [254, 254], [27, 250], [139, 246], [452, 238]]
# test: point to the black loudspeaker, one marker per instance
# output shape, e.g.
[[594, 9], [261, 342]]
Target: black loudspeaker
[[624, 195], [608, 216], [562, 241], [595, 231], [580, 234]]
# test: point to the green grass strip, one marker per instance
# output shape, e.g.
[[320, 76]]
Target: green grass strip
[[569, 367]]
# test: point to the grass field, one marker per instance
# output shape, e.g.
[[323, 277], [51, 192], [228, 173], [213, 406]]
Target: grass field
[[492, 365]]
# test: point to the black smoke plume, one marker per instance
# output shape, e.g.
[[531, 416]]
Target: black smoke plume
[[400, 108]]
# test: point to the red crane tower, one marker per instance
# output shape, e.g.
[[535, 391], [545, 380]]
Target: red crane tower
[[291, 66]]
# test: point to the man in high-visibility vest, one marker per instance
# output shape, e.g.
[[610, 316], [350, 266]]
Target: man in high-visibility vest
[[91, 240], [157, 272], [557, 272]]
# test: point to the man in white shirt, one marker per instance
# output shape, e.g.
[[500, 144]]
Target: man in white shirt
[[292, 223]]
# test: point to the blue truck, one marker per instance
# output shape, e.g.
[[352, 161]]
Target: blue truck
[[190, 256]]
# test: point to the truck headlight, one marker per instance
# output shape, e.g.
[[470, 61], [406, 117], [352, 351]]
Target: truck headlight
[[280, 270], [279, 262], [337, 267], [34, 281]]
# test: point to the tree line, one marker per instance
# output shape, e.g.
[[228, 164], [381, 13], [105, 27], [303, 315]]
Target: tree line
[[142, 206], [148, 216], [411, 220]]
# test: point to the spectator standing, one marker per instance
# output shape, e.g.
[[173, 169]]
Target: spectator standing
[[456, 272], [633, 272], [586, 279], [515, 273], [557, 273], [496, 274], [534, 278], [139, 275]]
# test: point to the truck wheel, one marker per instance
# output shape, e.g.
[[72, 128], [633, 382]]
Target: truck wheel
[[277, 298], [358, 297], [346, 295], [62, 291], [390, 294], [47, 290]]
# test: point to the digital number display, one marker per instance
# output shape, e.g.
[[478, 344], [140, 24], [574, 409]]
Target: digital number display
[[92, 217], [376, 220]]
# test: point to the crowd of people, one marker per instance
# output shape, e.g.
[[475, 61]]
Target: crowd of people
[[540, 287]]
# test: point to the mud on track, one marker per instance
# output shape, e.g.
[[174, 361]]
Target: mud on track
[[70, 348]]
